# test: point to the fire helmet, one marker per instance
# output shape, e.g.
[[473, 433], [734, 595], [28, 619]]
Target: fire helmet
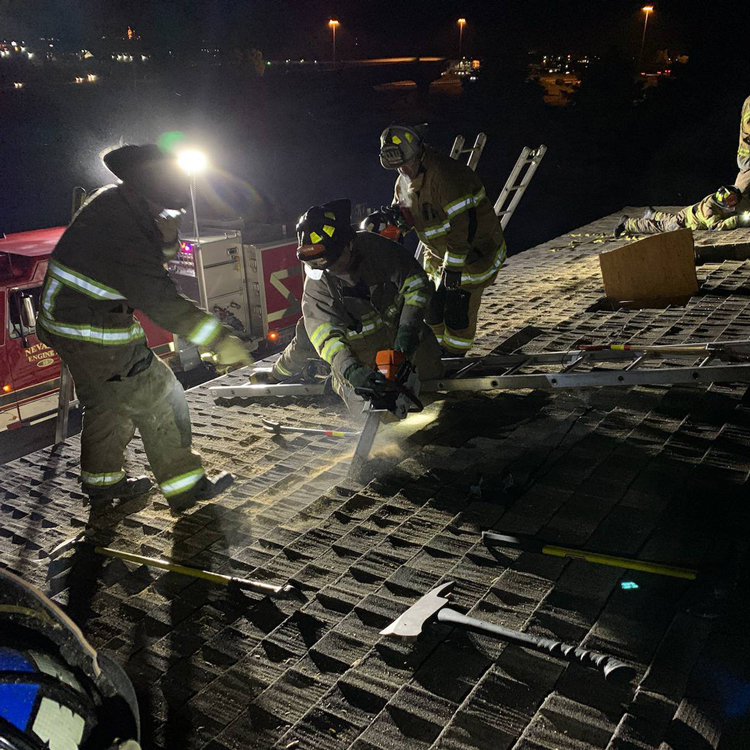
[[721, 195], [400, 144], [380, 223], [323, 232], [56, 690]]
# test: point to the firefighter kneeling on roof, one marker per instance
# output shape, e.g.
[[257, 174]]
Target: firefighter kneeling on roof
[[109, 261], [363, 294], [445, 202]]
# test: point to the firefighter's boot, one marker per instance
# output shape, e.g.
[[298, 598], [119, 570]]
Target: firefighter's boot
[[126, 489], [205, 489]]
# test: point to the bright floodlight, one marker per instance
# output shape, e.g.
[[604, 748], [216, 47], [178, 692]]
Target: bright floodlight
[[461, 21], [333, 23], [192, 161], [647, 9]]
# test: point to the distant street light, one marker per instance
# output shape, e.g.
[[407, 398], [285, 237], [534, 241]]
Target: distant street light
[[333, 23], [461, 24], [647, 9], [192, 162]]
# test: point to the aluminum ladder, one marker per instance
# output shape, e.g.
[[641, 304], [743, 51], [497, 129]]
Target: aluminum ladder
[[529, 160]]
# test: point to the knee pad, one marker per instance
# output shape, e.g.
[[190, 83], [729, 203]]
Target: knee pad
[[436, 310], [457, 309]]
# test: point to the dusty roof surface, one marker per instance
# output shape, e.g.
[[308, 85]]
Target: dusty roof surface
[[652, 472]]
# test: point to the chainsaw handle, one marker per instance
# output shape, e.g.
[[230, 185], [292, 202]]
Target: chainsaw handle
[[614, 670]]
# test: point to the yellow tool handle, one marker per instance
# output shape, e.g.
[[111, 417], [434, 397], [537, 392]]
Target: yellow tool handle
[[621, 562], [155, 562]]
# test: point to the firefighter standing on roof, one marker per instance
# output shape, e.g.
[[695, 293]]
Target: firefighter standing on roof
[[445, 202], [364, 294], [109, 261]]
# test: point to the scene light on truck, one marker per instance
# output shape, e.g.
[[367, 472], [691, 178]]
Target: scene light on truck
[[273, 335], [7, 388], [192, 161]]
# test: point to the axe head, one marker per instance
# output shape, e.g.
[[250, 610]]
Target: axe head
[[411, 622], [68, 544], [271, 426]]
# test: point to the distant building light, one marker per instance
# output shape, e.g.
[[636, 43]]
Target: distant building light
[[18, 85], [79, 79], [91, 77], [31, 55]]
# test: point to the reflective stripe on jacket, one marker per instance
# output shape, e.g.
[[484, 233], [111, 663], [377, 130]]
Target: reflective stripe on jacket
[[709, 214], [454, 219], [108, 262], [385, 287], [743, 151]]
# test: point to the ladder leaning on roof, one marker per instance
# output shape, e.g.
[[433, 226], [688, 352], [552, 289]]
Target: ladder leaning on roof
[[514, 188]]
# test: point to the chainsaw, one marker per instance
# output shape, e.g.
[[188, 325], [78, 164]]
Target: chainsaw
[[402, 392], [399, 398]]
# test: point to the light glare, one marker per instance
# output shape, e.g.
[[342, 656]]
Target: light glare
[[192, 161]]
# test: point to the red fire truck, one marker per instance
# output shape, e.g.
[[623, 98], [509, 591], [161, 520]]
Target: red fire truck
[[254, 289]]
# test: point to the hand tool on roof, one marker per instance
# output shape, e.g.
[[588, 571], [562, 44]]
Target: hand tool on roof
[[433, 605], [231, 582], [734, 351], [277, 429], [529, 544]]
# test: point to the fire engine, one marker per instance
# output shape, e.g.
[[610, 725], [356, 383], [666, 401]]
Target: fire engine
[[254, 289]]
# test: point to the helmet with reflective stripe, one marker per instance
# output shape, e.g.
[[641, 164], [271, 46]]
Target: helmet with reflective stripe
[[56, 690], [323, 232], [724, 192], [380, 223], [400, 144]]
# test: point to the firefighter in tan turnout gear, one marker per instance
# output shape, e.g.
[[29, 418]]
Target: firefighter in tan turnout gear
[[364, 293], [716, 212], [108, 262], [743, 150], [445, 202]]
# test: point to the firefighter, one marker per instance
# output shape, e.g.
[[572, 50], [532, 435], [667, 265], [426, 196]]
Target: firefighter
[[364, 293], [717, 211], [445, 202], [743, 151], [109, 261], [299, 360]]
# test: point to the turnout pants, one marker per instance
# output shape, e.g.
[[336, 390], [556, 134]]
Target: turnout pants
[[661, 221], [453, 314], [141, 394], [426, 360], [298, 353]]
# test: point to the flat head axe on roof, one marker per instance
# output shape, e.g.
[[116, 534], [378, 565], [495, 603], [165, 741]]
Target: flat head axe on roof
[[231, 582], [411, 623]]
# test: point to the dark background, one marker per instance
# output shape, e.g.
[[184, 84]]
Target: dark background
[[299, 136]]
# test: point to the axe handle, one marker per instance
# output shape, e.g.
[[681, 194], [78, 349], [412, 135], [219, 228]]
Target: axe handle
[[614, 669]]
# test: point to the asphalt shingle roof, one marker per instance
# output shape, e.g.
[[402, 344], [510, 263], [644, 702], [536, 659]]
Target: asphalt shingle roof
[[652, 472]]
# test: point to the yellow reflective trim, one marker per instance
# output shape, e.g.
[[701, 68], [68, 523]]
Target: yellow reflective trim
[[329, 230], [330, 215], [395, 139], [315, 237], [409, 137]]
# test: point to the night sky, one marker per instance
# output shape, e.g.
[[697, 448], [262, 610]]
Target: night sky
[[297, 28]]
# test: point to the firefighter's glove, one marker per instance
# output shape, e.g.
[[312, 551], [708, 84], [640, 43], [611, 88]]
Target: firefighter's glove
[[743, 220], [361, 377], [229, 351], [169, 226], [407, 340], [451, 279]]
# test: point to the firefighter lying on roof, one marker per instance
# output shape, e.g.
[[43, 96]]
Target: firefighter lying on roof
[[364, 293], [445, 202], [716, 211], [109, 261]]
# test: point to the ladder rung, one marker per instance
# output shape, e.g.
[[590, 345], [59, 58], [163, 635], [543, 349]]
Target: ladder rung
[[502, 213], [517, 187]]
